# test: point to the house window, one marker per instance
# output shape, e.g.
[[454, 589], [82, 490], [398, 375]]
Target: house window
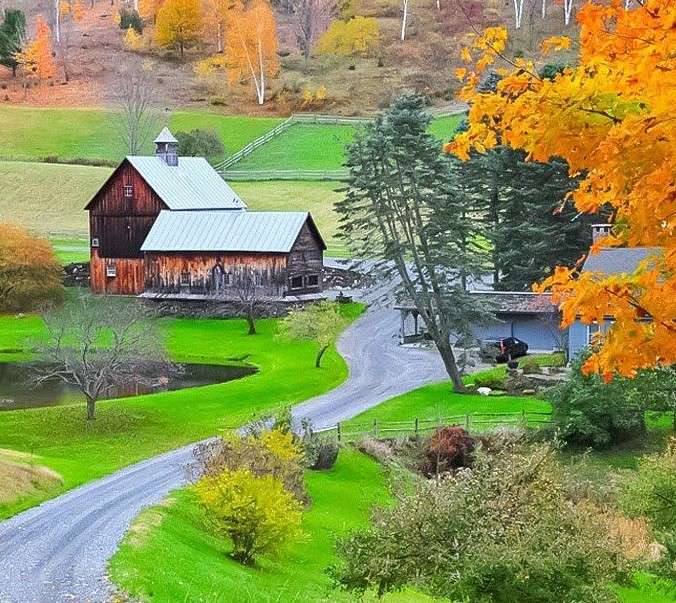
[[128, 191], [111, 270], [296, 282], [591, 332], [313, 280], [185, 279], [95, 241]]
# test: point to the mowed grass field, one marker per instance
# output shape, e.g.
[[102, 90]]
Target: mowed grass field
[[32, 133], [130, 429], [319, 146], [49, 199]]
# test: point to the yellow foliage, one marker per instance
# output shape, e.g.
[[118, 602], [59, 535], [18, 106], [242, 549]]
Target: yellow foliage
[[282, 445], [132, 39], [210, 65], [359, 36], [255, 512], [179, 23], [612, 119], [314, 100], [148, 9]]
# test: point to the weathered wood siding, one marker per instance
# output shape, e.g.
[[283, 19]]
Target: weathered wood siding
[[121, 223], [306, 262], [128, 279], [214, 274]]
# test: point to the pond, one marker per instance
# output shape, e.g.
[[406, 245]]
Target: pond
[[16, 392]]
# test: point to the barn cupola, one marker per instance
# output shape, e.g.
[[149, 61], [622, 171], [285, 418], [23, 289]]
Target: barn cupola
[[166, 147]]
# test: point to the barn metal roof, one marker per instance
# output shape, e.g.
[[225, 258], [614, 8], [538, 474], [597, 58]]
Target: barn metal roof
[[272, 232], [618, 260], [191, 185]]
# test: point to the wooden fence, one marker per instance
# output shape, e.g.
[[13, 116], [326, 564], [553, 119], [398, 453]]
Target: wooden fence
[[309, 118], [350, 431], [284, 174]]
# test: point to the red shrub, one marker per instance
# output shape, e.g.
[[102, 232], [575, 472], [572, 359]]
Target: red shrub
[[449, 448]]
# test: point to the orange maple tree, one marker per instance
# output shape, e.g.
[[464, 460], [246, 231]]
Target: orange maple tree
[[252, 45], [611, 117], [179, 24], [37, 59]]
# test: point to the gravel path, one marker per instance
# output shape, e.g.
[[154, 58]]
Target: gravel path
[[58, 552]]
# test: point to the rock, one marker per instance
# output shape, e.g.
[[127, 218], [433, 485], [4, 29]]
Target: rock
[[528, 392], [484, 391]]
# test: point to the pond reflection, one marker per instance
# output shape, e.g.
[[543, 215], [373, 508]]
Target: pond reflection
[[17, 392]]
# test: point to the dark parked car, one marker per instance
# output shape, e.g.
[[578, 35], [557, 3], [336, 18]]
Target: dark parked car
[[504, 349]]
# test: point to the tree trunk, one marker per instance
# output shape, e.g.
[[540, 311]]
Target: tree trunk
[[318, 360], [91, 409], [252, 324], [446, 352]]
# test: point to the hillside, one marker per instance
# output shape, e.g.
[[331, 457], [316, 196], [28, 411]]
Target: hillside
[[98, 60]]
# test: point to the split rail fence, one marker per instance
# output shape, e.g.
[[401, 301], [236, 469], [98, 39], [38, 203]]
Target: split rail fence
[[350, 431]]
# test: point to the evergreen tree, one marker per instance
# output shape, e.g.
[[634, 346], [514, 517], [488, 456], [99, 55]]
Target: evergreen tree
[[12, 38], [404, 205]]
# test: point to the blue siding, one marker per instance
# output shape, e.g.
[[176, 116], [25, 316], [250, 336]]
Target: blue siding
[[577, 338], [530, 329]]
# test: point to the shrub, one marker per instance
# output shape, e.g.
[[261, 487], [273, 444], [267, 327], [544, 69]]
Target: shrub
[[589, 411], [490, 380], [448, 449], [199, 143], [30, 274], [130, 19], [273, 452], [321, 453], [255, 512], [500, 532], [530, 366]]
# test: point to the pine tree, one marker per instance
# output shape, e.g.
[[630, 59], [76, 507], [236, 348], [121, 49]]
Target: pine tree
[[12, 38], [404, 206]]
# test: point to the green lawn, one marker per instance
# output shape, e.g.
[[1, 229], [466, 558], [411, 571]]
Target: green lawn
[[32, 133], [131, 429], [168, 556], [49, 199], [318, 146]]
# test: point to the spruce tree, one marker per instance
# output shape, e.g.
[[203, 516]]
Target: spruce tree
[[404, 206], [12, 38]]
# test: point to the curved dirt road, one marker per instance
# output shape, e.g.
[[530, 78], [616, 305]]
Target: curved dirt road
[[58, 552]]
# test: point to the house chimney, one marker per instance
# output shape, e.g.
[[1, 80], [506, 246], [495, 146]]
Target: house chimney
[[166, 147], [600, 230]]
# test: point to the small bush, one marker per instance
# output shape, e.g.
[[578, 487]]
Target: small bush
[[255, 512], [448, 449], [530, 366], [489, 380], [321, 453], [130, 19]]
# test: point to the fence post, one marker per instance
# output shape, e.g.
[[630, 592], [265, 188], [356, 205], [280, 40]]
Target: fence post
[[375, 427], [416, 427], [467, 422], [338, 430]]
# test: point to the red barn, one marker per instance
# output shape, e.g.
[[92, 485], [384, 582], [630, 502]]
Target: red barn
[[170, 225]]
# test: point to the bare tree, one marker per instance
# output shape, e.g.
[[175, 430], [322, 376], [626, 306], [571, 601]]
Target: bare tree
[[97, 343], [249, 298], [137, 117], [404, 19], [312, 18], [567, 11], [551, 321]]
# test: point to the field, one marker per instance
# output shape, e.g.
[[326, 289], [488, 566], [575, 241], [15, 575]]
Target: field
[[318, 147], [30, 133], [131, 429]]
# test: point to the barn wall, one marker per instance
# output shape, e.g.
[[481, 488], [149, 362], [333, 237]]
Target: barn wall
[[121, 223], [214, 274], [306, 261], [128, 279]]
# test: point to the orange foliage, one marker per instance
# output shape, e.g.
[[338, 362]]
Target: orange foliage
[[148, 9], [612, 118], [37, 59], [252, 45], [30, 274]]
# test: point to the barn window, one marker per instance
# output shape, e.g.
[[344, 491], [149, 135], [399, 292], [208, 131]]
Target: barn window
[[95, 241], [296, 282], [185, 279], [128, 191], [111, 270], [313, 280]]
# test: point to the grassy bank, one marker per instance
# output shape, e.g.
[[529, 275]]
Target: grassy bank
[[32, 133], [130, 429]]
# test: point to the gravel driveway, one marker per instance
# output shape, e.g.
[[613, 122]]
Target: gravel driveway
[[58, 551]]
